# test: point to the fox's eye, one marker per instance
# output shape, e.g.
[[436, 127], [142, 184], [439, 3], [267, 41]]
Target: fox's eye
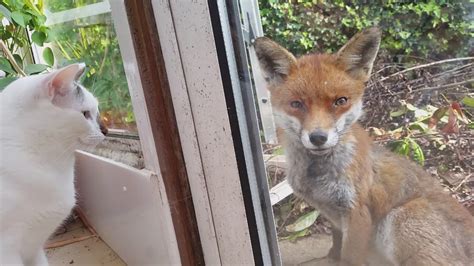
[[340, 101], [87, 114], [296, 104]]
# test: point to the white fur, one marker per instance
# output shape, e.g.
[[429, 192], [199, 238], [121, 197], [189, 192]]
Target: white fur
[[289, 123], [333, 138], [305, 140], [349, 117], [385, 239], [292, 124], [41, 126]]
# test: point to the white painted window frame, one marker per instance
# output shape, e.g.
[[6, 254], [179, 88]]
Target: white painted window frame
[[141, 232], [189, 51]]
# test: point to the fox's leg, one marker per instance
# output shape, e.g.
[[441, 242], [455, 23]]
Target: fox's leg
[[335, 251], [357, 230]]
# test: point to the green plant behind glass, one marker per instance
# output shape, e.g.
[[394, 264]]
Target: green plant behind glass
[[431, 29], [16, 59], [93, 41]]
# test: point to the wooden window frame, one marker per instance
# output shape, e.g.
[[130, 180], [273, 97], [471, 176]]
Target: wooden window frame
[[200, 174]]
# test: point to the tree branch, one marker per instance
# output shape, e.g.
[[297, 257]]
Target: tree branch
[[427, 65], [10, 58]]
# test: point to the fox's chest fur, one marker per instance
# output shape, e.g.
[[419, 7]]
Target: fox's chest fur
[[322, 180]]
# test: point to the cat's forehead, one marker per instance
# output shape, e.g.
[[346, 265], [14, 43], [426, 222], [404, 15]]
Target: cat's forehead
[[84, 97]]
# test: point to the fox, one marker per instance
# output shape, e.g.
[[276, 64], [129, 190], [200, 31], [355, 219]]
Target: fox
[[384, 209]]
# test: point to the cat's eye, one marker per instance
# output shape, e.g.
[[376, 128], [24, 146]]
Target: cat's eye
[[296, 104], [340, 101], [87, 114]]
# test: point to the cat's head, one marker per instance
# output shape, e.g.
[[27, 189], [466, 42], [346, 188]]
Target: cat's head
[[56, 102]]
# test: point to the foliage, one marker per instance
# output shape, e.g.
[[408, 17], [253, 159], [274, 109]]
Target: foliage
[[303, 222], [22, 16], [431, 28], [424, 112], [428, 122], [91, 40]]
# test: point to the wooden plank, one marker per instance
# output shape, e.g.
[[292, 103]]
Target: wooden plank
[[282, 189], [208, 105], [280, 192], [160, 108], [187, 131]]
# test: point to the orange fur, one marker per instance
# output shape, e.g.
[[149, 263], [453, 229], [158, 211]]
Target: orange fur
[[393, 202]]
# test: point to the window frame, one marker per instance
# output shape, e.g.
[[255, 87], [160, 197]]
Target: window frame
[[201, 150]]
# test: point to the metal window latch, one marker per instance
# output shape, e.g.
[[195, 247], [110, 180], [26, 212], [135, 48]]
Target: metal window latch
[[249, 33]]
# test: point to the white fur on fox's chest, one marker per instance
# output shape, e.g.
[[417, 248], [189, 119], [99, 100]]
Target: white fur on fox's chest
[[330, 193], [35, 200]]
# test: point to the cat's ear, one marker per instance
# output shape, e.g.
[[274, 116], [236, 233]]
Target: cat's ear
[[62, 80]]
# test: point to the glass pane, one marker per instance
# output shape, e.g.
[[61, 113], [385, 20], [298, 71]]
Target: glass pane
[[418, 101], [92, 40], [83, 31]]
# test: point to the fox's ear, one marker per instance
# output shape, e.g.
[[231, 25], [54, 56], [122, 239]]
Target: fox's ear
[[358, 55], [274, 60]]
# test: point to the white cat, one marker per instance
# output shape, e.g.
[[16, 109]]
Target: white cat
[[43, 119]]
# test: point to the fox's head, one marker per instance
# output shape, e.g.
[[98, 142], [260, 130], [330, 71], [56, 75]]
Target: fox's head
[[317, 97]]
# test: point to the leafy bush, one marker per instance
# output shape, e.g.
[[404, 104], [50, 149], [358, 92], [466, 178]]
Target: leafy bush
[[91, 40], [434, 28], [17, 59]]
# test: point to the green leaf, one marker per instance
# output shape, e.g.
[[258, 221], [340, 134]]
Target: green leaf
[[38, 37], [410, 107], [48, 56], [35, 68], [298, 234], [399, 112], [18, 60], [303, 222], [278, 151], [437, 116], [420, 113], [404, 34], [20, 18], [418, 154], [40, 20], [5, 81], [6, 66], [422, 127], [468, 101], [401, 147], [5, 12]]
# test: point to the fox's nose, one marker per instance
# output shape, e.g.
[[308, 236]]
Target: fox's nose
[[318, 137]]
